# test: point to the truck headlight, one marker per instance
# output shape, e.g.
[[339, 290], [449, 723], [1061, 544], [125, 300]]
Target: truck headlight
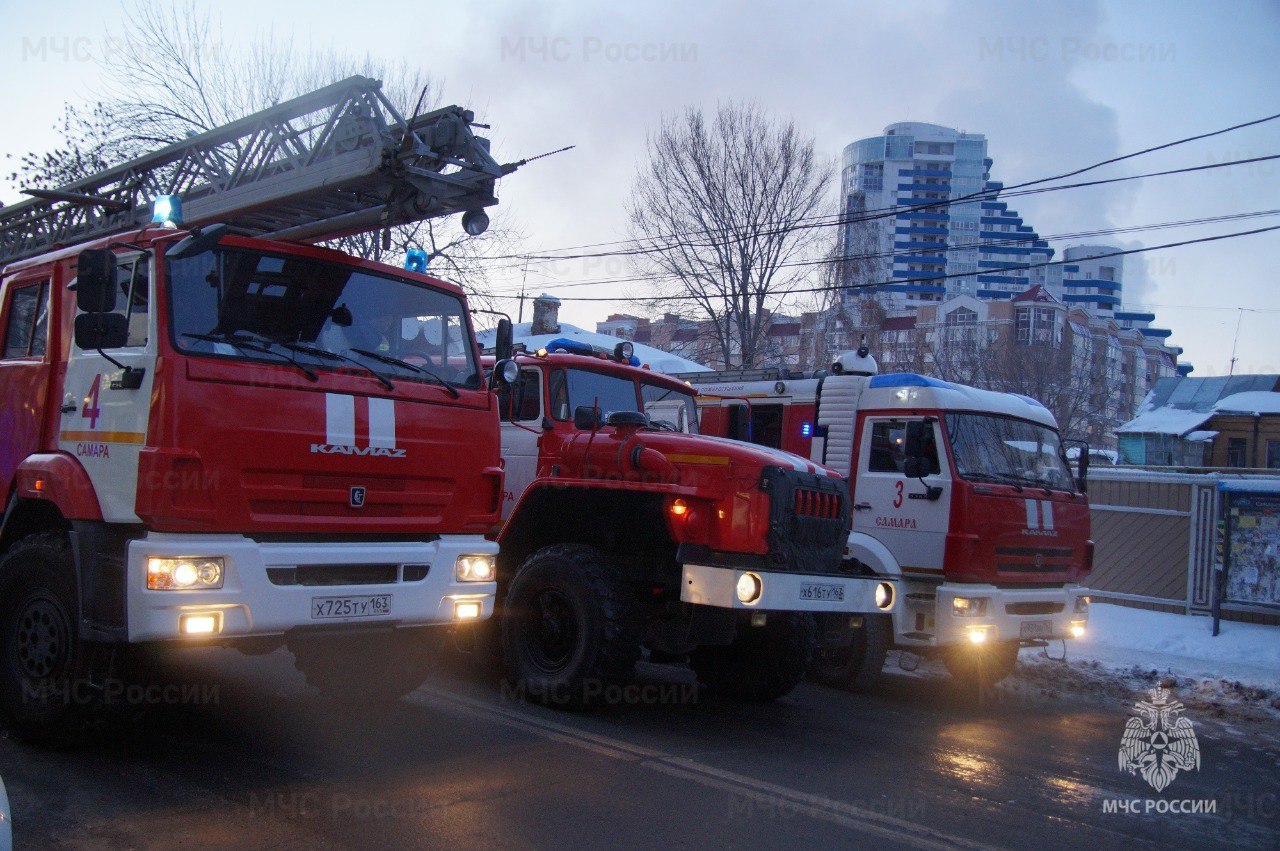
[[475, 568], [884, 595], [184, 574], [969, 607], [1082, 605], [749, 588]]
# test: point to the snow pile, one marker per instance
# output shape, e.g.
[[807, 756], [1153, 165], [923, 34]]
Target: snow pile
[[1251, 402], [1127, 650]]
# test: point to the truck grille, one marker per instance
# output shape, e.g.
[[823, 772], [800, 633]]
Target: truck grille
[[808, 519], [1039, 608], [318, 575]]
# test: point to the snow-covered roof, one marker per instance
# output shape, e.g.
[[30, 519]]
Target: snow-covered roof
[[1250, 402], [656, 358], [1200, 436], [1165, 421]]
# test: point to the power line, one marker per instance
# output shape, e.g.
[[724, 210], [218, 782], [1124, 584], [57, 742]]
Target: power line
[[902, 281], [1012, 240], [981, 195]]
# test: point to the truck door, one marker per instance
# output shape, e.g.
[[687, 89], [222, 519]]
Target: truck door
[[897, 510], [24, 375], [105, 412], [520, 407]]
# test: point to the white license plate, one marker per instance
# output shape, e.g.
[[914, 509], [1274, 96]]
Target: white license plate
[[1036, 629], [350, 607], [826, 593]]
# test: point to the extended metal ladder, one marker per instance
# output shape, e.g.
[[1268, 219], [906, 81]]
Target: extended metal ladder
[[336, 161]]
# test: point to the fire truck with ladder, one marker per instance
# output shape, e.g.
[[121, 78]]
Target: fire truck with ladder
[[216, 430], [963, 496], [629, 535]]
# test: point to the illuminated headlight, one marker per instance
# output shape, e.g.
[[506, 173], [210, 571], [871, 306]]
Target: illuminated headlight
[[475, 568], [466, 611], [969, 607], [977, 636], [1077, 629], [884, 596], [184, 574], [1082, 605], [749, 588]]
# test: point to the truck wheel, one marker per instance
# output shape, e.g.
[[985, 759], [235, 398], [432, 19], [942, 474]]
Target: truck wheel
[[763, 663], [45, 691], [981, 666], [569, 628], [855, 660], [368, 669]]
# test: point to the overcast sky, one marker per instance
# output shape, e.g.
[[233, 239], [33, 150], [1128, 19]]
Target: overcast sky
[[1053, 87]]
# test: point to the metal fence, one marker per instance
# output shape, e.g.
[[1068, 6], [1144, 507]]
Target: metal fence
[[1155, 535]]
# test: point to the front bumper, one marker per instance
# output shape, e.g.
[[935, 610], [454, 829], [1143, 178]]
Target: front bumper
[[1011, 614], [704, 585], [250, 604]]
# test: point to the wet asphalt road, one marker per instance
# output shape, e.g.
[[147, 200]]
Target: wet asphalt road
[[461, 763]]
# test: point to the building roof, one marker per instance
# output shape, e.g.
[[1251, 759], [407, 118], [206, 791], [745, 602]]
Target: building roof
[[1180, 406], [1037, 293], [655, 358], [1250, 402]]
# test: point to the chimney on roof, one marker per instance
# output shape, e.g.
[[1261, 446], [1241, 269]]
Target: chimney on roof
[[546, 315]]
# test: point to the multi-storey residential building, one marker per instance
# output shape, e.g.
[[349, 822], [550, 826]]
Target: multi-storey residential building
[[907, 234]]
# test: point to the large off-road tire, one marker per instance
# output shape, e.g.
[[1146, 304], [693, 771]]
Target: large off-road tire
[[854, 658], [569, 627], [763, 663], [368, 669], [981, 667], [46, 694]]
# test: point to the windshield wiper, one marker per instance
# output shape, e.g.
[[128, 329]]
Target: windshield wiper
[[248, 344], [1000, 478], [338, 356], [395, 361]]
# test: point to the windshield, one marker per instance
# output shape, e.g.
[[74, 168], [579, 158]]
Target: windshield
[[1004, 449], [252, 305], [669, 407]]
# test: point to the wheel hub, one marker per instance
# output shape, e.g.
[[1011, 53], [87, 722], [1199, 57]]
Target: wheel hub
[[553, 632], [43, 638]]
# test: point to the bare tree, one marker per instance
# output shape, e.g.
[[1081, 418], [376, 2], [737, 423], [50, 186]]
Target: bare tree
[[177, 73], [719, 208]]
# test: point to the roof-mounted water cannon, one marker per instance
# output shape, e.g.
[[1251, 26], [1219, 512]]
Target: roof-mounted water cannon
[[857, 362]]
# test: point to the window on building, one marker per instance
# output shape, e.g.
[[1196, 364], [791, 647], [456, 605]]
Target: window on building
[[1236, 452], [27, 328], [1107, 273], [1273, 454]]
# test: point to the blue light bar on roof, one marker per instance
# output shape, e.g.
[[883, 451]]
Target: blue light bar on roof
[[1029, 400], [906, 379], [415, 260]]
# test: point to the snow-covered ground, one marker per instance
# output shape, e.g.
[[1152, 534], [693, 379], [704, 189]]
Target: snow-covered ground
[[1128, 649], [1121, 637]]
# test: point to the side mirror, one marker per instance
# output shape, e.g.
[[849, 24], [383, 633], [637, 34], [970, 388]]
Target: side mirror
[[913, 443], [101, 331], [1082, 477], [504, 345], [915, 467], [96, 280], [198, 242], [586, 418]]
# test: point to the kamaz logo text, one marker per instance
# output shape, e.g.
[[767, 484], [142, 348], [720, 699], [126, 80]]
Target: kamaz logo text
[[372, 435], [363, 451]]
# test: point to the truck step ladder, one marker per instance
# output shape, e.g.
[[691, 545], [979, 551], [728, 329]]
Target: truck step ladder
[[337, 161]]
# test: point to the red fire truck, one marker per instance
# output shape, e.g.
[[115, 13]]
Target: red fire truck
[[626, 532], [222, 433], [962, 495]]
